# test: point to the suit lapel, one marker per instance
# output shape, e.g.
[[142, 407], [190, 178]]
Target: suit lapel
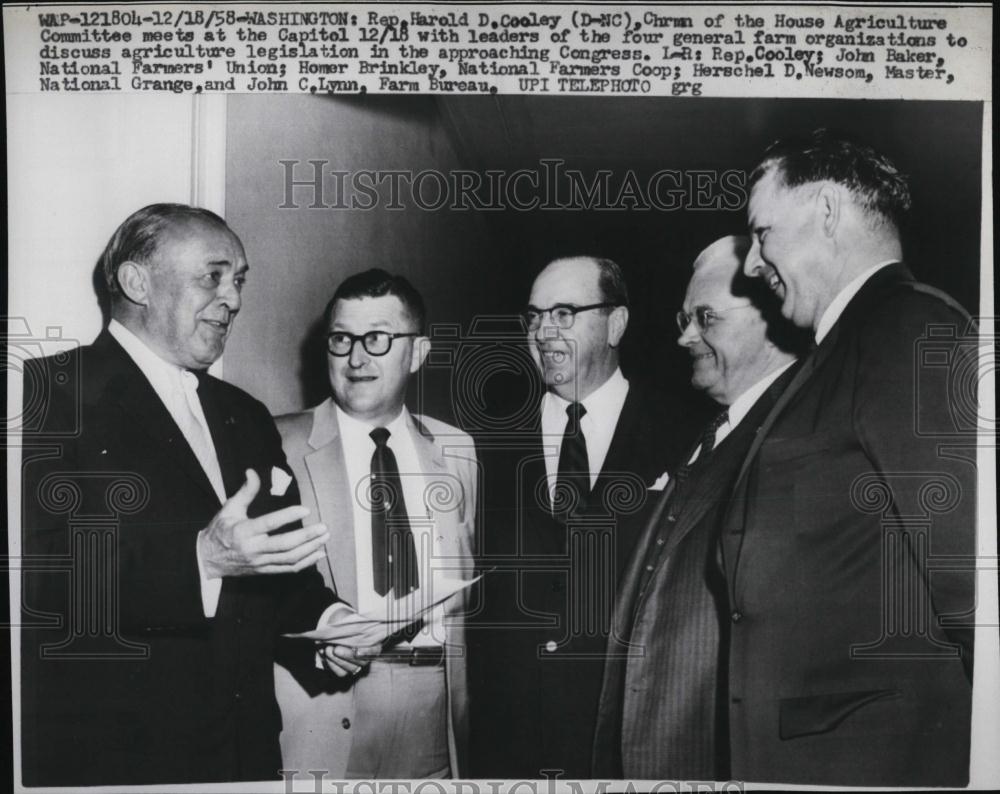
[[699, 491], [334, 501], [886, 276], [622, 450], [432, 464], [227, 435], [732, 537], [144, 412], [535, 473], [627, 595]]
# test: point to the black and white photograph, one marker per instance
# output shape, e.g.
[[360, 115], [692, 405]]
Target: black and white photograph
[[500, 397]]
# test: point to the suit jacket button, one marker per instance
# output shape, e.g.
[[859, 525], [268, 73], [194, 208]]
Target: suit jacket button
[[345, 723], [671, 517], [736, 617], [551, 646]]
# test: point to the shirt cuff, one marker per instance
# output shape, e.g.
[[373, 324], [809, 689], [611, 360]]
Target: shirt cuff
[[211, 589], [329, 612]]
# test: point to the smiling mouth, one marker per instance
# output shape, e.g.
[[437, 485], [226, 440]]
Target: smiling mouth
[[360, 378], [219, 325], [701, 356], [774, 283]]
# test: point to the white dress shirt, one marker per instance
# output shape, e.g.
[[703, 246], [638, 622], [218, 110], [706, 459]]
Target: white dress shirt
[[741, 406], [358, 449], [604, 406], [166, 380], [838, 304]]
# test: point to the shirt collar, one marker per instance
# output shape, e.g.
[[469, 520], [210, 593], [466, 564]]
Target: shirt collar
[[605, 398], [742, 404], [838, 304], [163, 376], [360, 429]]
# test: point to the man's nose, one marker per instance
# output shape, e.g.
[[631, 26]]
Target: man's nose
[[229, 294], [358, 356], [547, 328], [690, 334], [753, 264]]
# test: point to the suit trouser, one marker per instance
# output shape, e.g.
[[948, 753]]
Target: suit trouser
[[400, 723]]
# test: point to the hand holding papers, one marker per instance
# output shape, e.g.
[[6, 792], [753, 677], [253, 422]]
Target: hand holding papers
[[362, 629]]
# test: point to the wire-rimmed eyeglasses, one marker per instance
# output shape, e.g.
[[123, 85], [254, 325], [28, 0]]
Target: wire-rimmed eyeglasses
[[562, 314], [704, 316], [375, 343]]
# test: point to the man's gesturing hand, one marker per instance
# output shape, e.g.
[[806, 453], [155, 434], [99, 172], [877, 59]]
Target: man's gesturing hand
[[234, 545]]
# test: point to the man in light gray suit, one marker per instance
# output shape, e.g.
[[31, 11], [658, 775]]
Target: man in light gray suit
[[398, 493], [664, 686]]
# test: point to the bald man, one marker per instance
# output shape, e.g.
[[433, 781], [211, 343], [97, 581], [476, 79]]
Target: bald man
[[560, 502], [663, 689]]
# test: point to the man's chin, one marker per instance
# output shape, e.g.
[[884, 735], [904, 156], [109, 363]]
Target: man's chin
[[557, 377], [703, 382]]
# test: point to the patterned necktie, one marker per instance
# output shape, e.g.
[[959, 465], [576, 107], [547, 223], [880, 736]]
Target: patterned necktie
[[708, 436], [705, 446], [394, 553], [573, 479]]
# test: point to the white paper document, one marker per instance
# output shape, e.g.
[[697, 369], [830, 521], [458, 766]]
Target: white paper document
[[390, 613]]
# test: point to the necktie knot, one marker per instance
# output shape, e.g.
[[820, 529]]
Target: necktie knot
[[575, 412], [380, 436], [708, 437]]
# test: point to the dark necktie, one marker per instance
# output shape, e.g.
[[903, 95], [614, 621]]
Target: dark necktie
[[394, 554], [705, 446], [573, 478], [708, 435]]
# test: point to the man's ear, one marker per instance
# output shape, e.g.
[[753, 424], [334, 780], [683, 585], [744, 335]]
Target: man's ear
[[828, 205], [133, 281], [617, 323], [421, 347]]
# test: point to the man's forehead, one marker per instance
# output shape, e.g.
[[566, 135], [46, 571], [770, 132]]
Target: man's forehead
[[712, 284], [372, 312], [193, 233], [568, 281]]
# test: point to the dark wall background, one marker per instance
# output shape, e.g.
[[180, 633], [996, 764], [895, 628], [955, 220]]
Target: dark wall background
[[475, 266]]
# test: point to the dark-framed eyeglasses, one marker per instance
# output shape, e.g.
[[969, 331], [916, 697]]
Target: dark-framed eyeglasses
[[375, 343], [704, 316], [562, 314]]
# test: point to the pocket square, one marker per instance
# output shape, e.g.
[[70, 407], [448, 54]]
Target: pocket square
[[661, 482], [280, 480]]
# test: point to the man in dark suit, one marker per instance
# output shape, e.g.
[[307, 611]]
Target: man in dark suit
[[849, 554], [558, 499], [663, 682], [154, 586]]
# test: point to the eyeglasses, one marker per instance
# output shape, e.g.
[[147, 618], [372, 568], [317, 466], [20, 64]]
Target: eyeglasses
[[375, 343], [562, 314], [704, 316]]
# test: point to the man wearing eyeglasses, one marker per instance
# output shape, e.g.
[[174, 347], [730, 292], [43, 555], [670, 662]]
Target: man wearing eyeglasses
[[397, 492], [557, 527], [664, 685]]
